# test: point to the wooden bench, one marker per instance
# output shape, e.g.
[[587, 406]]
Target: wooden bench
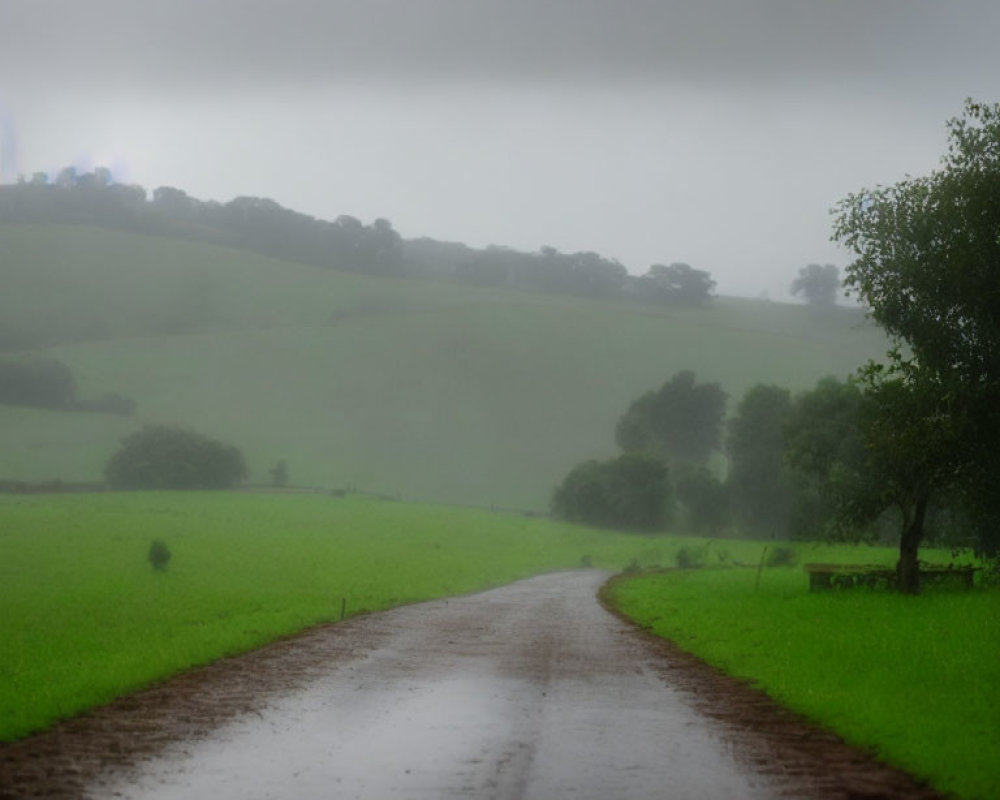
[[847, 576]]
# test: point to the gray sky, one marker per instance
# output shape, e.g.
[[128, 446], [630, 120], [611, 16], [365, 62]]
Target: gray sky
[[717, 132]]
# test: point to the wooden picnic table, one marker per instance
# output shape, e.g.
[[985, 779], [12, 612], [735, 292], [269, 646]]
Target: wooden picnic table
[[847, 576]]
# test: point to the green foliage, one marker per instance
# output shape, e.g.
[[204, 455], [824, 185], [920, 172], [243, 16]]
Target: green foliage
[[681, 421], [928, 250], [279, 473], [630, 492], [782, 556], [824, 446], [161, 457], [690, 557], [818, 284], [159, 555], [43, 383], [761, 490], [922, 671], [703, 498], [675, 284]]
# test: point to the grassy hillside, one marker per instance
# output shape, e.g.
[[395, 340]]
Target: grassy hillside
[[428, 390]]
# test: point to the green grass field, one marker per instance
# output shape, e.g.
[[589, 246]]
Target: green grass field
[[83, 617], [914, 679], [431, 391]]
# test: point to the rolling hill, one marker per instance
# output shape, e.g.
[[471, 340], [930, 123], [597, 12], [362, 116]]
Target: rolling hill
[[422, 389]]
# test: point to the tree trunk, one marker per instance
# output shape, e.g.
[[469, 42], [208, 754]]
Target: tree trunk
[[908, 567]]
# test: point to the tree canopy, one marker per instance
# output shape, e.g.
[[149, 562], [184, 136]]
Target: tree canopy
[[162, 457], [630, 492], [818, 283], [760, 488], [928, 270], [681, 421]]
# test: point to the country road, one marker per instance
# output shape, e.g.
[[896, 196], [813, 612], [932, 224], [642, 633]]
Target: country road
[[532, 690]]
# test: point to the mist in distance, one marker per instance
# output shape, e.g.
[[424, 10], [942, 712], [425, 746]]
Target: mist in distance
[[718, 134]]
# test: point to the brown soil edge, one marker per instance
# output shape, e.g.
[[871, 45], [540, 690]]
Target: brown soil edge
[[61, 761], [777, 741]]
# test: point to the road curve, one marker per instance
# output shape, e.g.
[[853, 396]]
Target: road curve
[[532, 690]]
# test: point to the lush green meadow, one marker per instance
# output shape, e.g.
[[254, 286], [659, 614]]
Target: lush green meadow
[[83, 616], [428, 390], [915, 679]]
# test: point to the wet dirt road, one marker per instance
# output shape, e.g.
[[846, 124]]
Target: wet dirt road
[[529, 691], [533, 690]]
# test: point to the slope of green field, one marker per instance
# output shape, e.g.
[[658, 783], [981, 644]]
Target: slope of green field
[[427, 390]]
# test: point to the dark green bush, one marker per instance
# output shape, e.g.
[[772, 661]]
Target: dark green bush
[[159, 554], [630, 492], [161, 457], [690, 558], [42, 383], [782, 557]]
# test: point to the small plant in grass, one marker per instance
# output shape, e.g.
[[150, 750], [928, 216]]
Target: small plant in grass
[[782, 557], [690, 558], [159, 555]]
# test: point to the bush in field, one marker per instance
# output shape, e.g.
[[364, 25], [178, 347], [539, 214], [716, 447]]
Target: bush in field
[[630, 492], [689, 558], [159, 555], [782, 557], [161, 457], [42, 383]]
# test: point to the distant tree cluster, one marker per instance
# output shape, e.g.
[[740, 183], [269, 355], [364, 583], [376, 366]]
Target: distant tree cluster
[[262, 225], [48, 383], [585, 274], [818, 284], [914, 441], [676, 284], [252, 223], [163, 457], [682, 421], [679, 424], [42, 383], [630, 492]]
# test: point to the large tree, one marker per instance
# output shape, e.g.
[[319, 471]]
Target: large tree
[[682, 421], [676, 284], [818, 283], [928, 270], [630, 492], [761, 490], [162, 457]]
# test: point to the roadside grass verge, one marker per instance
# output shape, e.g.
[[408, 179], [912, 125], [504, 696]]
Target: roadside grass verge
[[916, 680]]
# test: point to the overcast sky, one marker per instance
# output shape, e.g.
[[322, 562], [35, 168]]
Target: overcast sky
[[716, 132]]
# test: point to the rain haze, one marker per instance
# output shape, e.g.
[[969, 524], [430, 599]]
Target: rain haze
[[459, 399], [714, 133]]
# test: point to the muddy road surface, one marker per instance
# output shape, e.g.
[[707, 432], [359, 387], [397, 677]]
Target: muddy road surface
[[533, 690]]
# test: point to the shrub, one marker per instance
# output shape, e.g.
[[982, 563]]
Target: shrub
[[109, 403], [782, 557], [161, 457], [690, 558], [279, 473], [630, 492], [159, 554], [42, 383]]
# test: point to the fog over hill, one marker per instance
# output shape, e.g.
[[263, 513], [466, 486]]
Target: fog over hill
[[716, 133], [422, 389]]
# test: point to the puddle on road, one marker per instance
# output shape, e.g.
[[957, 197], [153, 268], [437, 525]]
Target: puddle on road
[[324, 743]]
